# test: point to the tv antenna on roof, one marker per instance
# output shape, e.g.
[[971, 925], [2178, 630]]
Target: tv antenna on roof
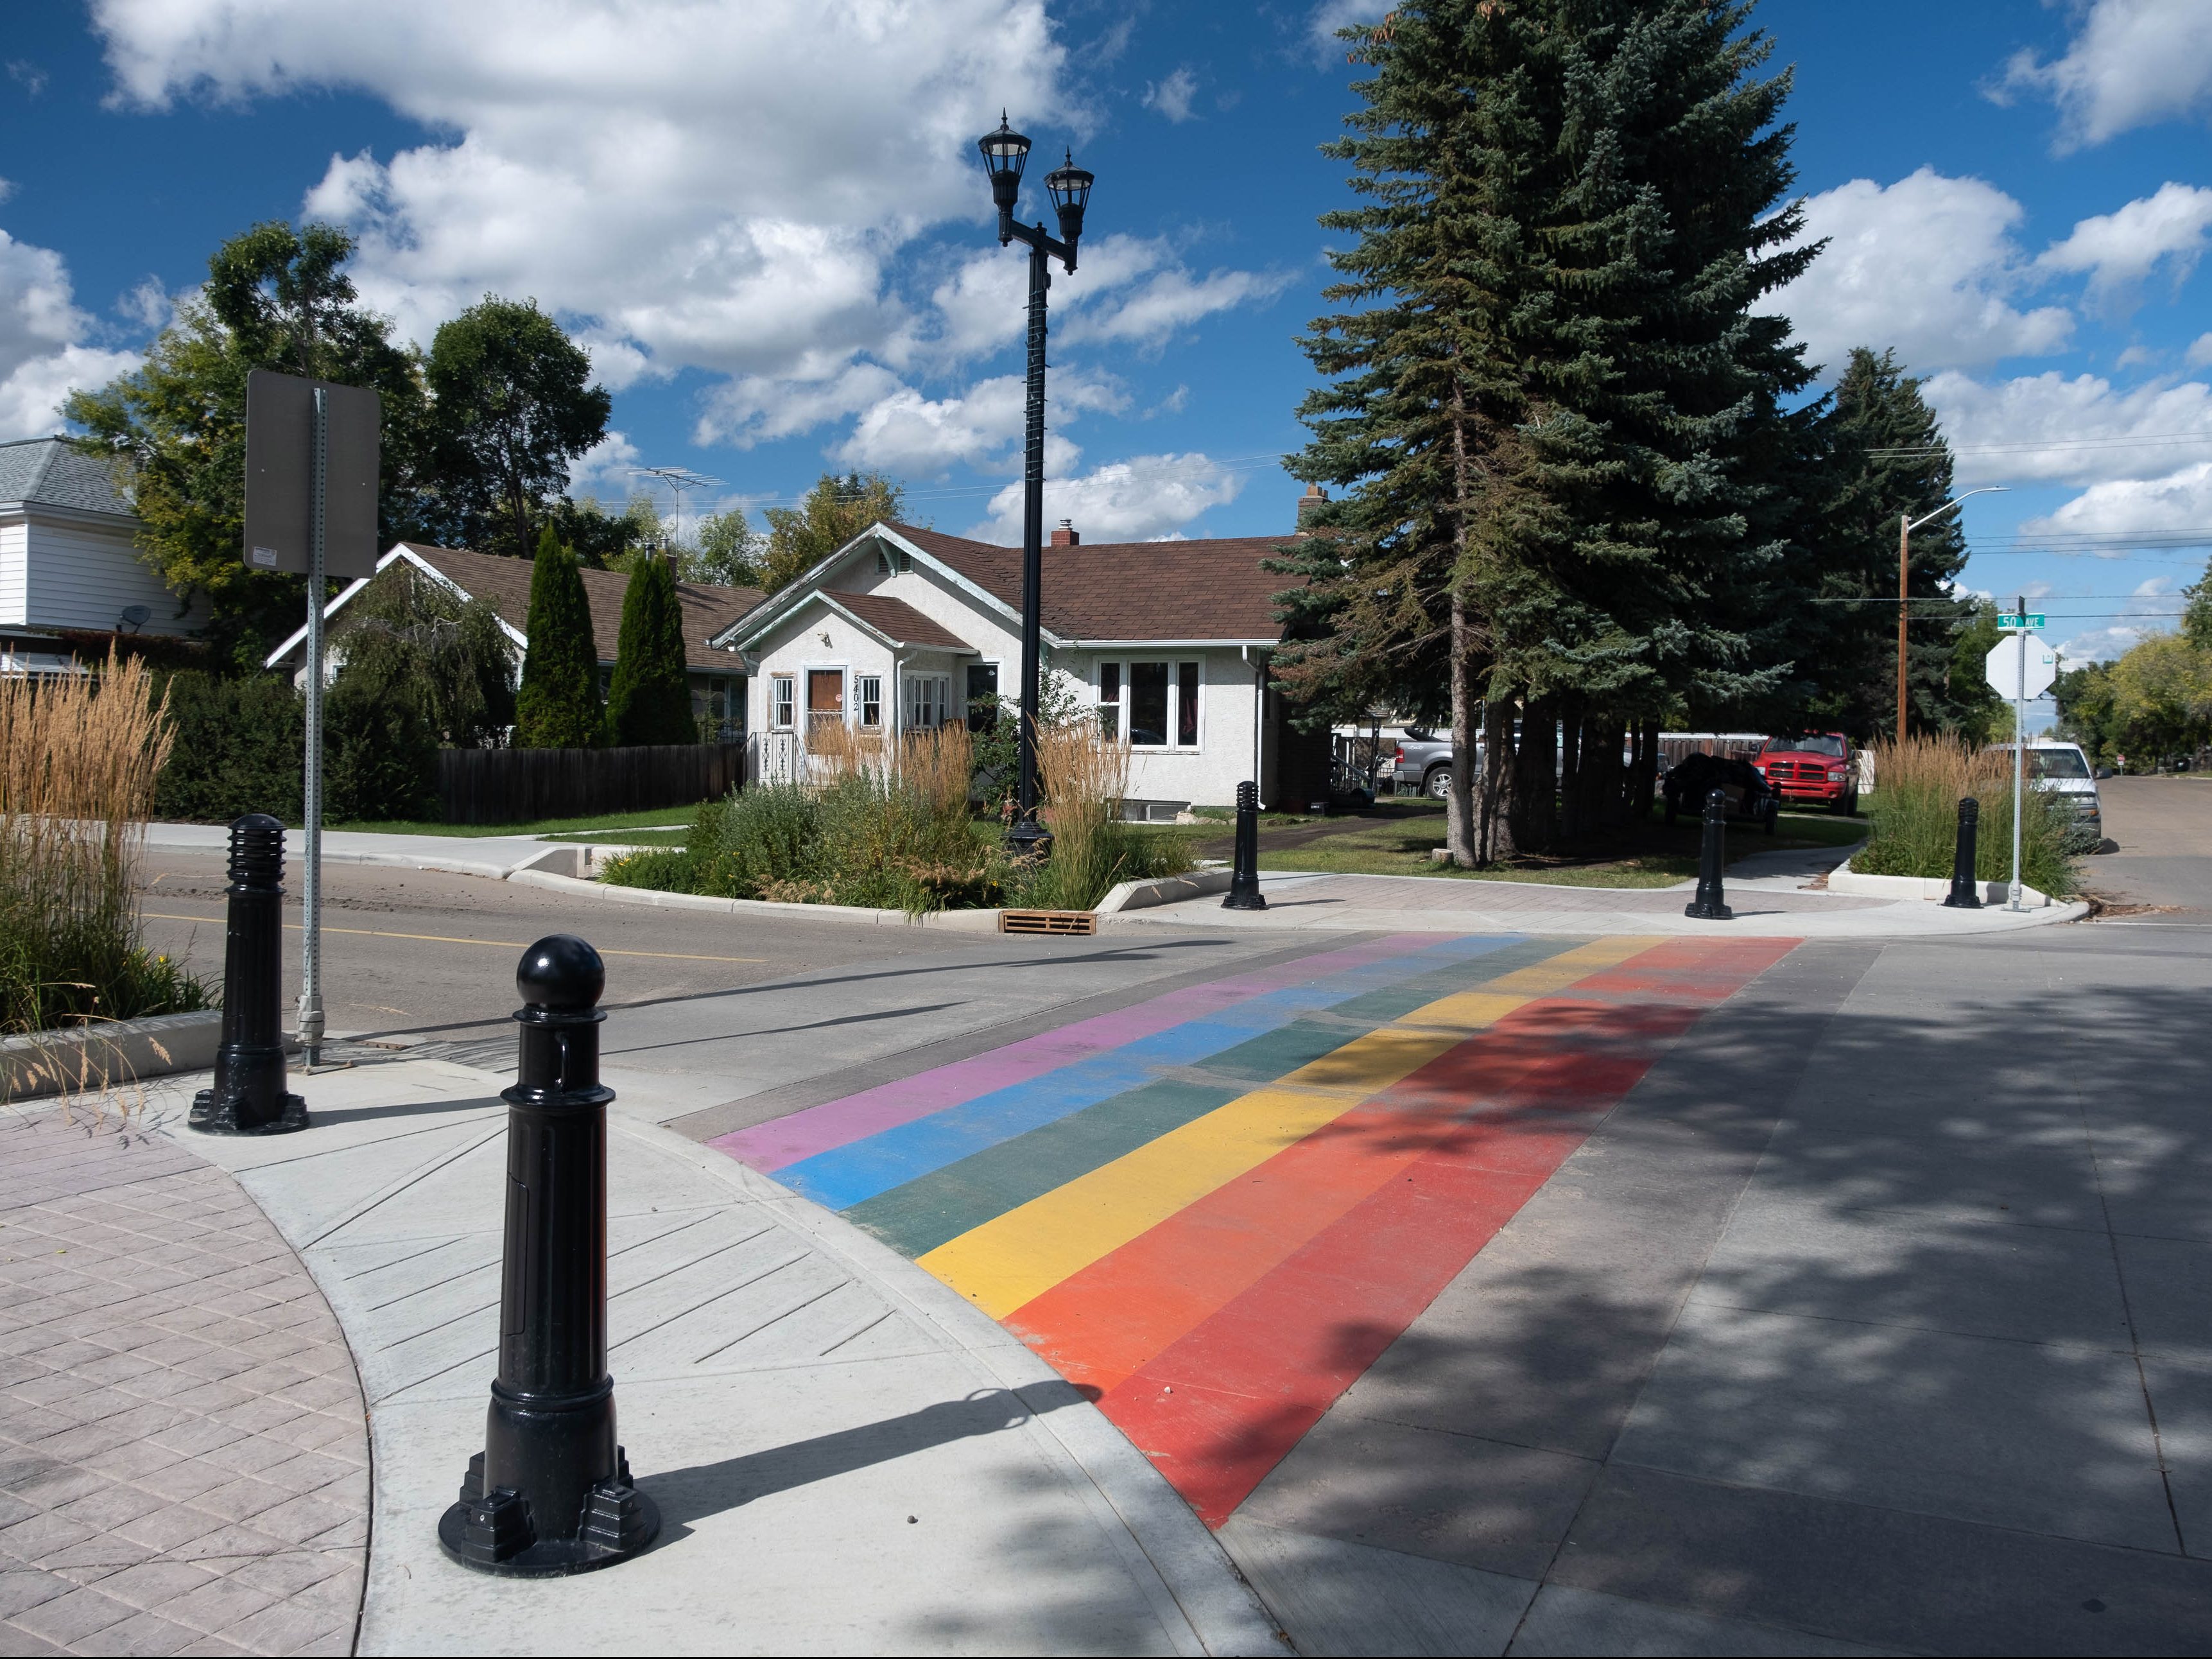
[[678, 479]]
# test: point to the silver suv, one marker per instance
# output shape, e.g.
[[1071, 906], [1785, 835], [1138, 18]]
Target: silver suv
[[2062, 770]]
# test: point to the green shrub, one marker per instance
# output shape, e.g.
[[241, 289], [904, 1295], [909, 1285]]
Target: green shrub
[[237, 749], [379, 751], [1116, 852]]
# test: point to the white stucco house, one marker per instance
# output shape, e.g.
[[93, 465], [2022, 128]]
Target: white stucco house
[[69, 562], [1169, 641]]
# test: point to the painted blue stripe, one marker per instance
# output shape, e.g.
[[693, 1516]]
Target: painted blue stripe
[[848, 1175]]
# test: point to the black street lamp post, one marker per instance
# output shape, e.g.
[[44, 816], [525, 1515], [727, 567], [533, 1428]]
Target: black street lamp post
[[1006, 152]]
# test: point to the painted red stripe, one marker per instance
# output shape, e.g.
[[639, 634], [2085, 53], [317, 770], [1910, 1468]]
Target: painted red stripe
[[1220, 1407]]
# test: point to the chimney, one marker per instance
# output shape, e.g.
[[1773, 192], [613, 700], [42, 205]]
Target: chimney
[[1065, 535], [1316, 497]]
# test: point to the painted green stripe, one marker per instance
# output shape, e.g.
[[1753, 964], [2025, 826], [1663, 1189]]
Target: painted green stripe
[[932, 1209]]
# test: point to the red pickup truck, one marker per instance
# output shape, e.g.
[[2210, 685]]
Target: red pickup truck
[[1811, 766]]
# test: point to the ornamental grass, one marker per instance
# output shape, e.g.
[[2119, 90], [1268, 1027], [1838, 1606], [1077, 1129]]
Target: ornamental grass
[[78, 761], [1914, 814], [1085, 778]]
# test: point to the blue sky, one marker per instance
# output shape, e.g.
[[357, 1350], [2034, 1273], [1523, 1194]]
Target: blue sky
[[765, 218]]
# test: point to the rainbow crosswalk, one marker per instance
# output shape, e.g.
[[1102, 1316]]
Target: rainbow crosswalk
[[1216, 1207]]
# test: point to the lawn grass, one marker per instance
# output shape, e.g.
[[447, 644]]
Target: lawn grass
[[563, 829], [1394, 838]]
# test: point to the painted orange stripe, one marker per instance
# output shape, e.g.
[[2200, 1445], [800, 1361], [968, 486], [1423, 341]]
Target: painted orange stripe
[[1100, 1324]]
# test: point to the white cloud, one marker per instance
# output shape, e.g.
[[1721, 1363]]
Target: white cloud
[[2055, 429], [755, 409], [2200, 351], [2180, 501], [2131, 63], [1331, 16], [1145, 498], [1927, 265], [906, 432], [1128, 288], [1172, 97], [2121, 249], [148, 304], [1172, 300], [721, 185], [604, 470], [43, 351]]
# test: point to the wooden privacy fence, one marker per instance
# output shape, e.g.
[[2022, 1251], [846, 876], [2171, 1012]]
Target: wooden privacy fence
[[515, 785]]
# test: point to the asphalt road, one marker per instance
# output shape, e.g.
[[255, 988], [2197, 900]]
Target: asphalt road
[[422, 956], [2164, 830]]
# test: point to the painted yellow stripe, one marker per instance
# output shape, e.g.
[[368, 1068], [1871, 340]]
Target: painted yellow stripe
[[1017, 1256]]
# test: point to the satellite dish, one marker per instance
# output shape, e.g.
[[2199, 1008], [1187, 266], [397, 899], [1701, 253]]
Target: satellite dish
[[135, 616]]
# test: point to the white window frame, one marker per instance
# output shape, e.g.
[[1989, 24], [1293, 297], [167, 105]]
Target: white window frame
[[783, 702], [1176, 664], [868, 689], [935, 693]]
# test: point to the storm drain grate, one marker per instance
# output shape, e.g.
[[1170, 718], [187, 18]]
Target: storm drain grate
[[1048, 921]]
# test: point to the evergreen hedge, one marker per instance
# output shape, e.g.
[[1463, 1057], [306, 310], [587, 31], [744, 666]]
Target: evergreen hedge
[[650, 699], [558, 704]]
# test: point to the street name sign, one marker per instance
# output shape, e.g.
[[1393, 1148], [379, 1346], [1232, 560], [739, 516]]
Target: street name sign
[[2022, 619], [2005, 667], [280, 475]]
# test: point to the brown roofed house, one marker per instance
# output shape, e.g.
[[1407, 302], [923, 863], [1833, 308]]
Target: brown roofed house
[[718, 685], [904, 628]]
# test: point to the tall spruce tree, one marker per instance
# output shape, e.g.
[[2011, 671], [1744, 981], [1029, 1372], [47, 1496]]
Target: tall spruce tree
[[1557, 413], [649, 699], [557, 706]]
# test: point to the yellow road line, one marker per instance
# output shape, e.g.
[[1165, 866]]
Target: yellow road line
[[1017, 1256], [447, 938]]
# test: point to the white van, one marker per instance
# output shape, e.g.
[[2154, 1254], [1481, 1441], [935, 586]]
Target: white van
[[2061, 769]]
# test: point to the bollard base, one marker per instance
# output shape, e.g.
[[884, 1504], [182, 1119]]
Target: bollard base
[[1969, 902], [495, 1535], [1244, 901], [211, 1119], [1703, 912]]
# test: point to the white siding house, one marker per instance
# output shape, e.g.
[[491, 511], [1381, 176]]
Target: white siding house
[[1168, 642], [69, 561]]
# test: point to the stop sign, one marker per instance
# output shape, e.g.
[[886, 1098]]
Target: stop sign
[[2004, 666]]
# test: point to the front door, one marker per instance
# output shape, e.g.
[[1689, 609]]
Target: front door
[[825, 695]]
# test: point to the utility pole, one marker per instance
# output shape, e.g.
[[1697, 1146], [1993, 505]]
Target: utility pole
[[1905, 525]]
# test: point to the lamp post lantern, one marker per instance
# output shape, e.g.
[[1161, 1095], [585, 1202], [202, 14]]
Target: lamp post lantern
[[1006, 153]]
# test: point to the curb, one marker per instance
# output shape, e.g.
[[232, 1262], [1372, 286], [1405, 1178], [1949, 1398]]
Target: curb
[[1844, 880], [1163, 890], [96, 1057], [965, 921]]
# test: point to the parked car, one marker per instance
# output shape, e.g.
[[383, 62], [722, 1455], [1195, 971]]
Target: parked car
[[2062, 770], [1424, 763], [1690, 779], [1813, 768]]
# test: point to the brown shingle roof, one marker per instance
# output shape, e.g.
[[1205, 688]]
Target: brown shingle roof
[[504, 585], [898, 621], [1194, 590]]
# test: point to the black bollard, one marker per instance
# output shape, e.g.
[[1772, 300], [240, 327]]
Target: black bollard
[[1244, 876], [550, 1492], [249, 1097], [1965, 892], [1711, 904]]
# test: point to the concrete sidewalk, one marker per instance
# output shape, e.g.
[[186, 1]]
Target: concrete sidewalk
[[848, 1457], [1764, 905]]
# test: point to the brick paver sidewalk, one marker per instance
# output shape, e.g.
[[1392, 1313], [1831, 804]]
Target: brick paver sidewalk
[[184, 1461]]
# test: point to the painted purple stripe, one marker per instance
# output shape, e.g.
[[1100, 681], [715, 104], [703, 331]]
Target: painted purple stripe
[[769, 1146]]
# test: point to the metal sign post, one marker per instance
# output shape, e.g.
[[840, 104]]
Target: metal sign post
[[2020, 666], [311, 485], [2019, 751], [311, 793]]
